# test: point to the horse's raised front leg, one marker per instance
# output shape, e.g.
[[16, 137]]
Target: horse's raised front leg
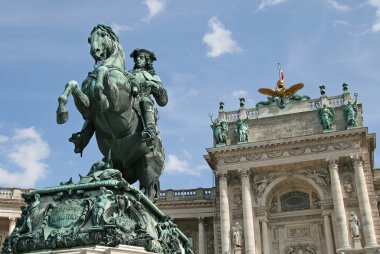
[[81, 101]]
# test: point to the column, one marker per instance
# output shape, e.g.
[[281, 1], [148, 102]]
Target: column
[[201, 236], [12, 224], [265, 236], [364, 203], [340, 212], [328, 233], [249, 232], [224, 212]]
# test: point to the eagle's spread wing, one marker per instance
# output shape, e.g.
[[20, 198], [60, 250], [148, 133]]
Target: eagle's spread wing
[[293, 89], [268, 91]]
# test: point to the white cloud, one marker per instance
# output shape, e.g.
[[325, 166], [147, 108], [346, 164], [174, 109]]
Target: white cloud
[[337, 6], [3, 139], [117, 28], [154, 7], [270, 3], [175, 165], [219, 39], [376, 25], [27, 150], [340, 23], [239, 94]]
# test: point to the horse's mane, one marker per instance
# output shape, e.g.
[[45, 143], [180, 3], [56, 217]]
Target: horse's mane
[[107, 29], [119, 52]]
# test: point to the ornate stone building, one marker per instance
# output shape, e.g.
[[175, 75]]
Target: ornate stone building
[[290, 179], [294, 182]]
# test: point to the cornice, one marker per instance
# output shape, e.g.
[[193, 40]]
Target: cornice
[[185, 204], [331, 136], [284, 148]]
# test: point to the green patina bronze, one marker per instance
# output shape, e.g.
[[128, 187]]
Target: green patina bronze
[[281, 103], [220, 129], [117, 107], [351, 112], [327, 117], [241, 129], [102, 212], [103, 208]]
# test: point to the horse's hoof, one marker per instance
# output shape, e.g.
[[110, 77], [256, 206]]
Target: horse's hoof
[[62, 117]]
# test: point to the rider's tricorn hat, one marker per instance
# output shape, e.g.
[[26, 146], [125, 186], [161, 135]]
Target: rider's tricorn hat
[[135, 53]]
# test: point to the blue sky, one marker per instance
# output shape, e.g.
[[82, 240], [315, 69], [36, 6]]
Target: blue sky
[[208, 51]]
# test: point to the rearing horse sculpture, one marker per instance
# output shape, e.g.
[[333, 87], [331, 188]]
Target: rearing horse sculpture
[[112, 112]]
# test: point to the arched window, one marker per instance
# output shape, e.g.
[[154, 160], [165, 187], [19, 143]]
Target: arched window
[[295, 200]]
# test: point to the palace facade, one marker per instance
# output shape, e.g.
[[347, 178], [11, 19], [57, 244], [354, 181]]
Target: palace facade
[[297, 180]]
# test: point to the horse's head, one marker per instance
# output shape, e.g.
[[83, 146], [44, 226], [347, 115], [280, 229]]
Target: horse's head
[[105, 44]]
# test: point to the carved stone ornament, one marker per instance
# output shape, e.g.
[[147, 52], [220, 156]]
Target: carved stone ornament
[[315, 200], [274, 205], [357, 160], [222, 175], [332, 162], [354, 225], [301, 248], [322, 179], [260, 184], [348, 185], [237, 235], [244, 172], [288, 151]]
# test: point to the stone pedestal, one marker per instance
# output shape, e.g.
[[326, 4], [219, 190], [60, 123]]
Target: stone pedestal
[[120, 249], [237, 250], [103, 213], [357, 243]]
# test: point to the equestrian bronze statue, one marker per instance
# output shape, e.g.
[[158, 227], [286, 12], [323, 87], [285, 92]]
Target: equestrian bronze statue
[[118, 108]]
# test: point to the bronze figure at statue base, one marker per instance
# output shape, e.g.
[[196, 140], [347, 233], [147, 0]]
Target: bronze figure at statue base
[[101, 212]]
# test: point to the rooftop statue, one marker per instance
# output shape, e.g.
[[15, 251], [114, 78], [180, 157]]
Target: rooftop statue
[[281, 94], [242, 130], [220, 129], [117, 107], [326, 117], [351, 112]]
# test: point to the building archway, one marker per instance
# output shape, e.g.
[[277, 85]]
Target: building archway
[[294, 214]]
